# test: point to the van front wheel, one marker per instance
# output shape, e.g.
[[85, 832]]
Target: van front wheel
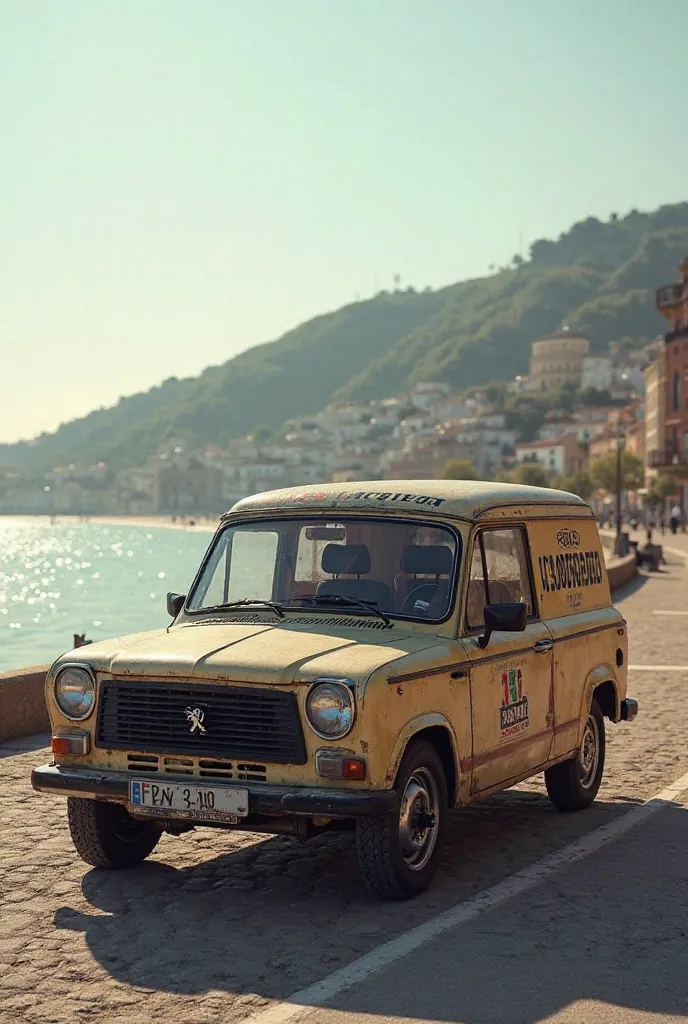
[[574, 784], [398, 854], [105, 836]]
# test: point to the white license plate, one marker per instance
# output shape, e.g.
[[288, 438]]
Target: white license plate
[[176, 800]]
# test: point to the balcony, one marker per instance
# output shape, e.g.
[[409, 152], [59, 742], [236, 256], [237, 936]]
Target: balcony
[[669, 295], [667, 458], [678, 332]]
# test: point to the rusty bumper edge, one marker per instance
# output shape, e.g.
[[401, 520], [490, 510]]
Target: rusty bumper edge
[[264, 799]]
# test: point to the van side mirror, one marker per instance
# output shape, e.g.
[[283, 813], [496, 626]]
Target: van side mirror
[[506, 617], [175, 603]]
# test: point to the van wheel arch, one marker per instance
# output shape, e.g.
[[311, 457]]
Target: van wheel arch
[[441, 738], [601, 685], [608, 699]]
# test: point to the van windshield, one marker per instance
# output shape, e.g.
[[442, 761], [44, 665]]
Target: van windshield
[[402, 569]]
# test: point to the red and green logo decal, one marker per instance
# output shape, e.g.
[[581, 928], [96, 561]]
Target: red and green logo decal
[[513, 714]]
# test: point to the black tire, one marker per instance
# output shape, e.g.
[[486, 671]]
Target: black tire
[[392, 869], [574, 784], [105, 836]]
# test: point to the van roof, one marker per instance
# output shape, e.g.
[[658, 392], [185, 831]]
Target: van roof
[[462, 499]]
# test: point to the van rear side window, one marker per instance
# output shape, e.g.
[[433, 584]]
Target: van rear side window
[[499, 573]]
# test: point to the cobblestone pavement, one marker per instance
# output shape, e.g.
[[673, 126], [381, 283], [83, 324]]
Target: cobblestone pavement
[[217, 924]]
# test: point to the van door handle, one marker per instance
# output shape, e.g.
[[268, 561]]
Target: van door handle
[[543, 645]]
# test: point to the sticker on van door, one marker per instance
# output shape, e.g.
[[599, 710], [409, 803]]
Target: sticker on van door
[[571, 570], [513, 714]]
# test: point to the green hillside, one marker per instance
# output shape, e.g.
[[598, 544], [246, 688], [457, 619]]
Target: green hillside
[[265, 385], [601, 280], [597, 277]]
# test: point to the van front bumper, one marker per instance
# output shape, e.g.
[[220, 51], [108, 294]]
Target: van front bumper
[[264, 799]]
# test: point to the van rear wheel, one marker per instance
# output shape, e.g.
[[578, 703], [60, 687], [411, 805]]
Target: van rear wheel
[[398, 854], [574, 784]]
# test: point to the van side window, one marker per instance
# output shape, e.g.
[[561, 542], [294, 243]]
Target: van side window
[[503, 556]]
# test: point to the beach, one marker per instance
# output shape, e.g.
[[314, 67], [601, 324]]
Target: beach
[[190, 523]]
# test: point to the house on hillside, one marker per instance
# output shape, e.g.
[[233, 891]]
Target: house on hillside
[[597, 373], [428, 395], [561, 457]]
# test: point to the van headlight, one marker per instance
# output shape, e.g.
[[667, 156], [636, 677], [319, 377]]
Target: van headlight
[[330, 708], [75, 691]]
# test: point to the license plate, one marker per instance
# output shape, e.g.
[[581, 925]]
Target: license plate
[[176, 800]]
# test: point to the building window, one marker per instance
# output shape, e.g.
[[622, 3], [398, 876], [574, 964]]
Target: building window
[[676, 391], [673, 441]]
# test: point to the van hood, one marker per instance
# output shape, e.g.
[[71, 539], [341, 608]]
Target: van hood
[[255, 653]]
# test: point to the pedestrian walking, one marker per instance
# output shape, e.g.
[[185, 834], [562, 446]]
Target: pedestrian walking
[[675, 518]]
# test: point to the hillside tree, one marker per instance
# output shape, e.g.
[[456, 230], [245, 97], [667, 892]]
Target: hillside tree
[[603, 472], [459, 469]]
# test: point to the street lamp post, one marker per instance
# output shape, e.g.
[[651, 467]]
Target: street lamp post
[[619, 484]]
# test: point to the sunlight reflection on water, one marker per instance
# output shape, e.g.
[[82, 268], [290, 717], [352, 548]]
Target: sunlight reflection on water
[[69, 577]]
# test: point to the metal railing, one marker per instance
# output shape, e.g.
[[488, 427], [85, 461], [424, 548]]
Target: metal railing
[[667, 457], [669, 294], [678, 332]]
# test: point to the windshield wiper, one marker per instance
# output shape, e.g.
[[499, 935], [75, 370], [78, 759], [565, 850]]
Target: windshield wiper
[[245, 601], [350, 602]]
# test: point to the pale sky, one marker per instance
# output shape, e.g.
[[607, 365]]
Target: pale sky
[[182, 179]]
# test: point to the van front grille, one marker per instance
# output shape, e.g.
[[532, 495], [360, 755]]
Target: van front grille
[[245, 723], [207, 768]]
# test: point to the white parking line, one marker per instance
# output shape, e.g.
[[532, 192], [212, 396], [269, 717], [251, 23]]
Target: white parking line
[[658, 668], [375, 961], [657, 612]]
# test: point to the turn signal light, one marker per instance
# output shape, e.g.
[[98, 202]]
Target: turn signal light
[[76, 742], [339, 764], [354, 768]]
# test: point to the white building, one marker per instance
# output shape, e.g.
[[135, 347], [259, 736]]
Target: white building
[[142, 482], [627, 379], [555, 429], [387, 413], [427, 395], [417, 424], [490, 429], [550, 455], [520, 385], [345, 422], [597, 373], [454, 408]]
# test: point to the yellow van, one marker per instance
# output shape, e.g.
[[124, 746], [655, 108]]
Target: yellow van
[[367, 655]]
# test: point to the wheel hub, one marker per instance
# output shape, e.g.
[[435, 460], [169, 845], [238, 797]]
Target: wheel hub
[[588, 759], [418, 819]]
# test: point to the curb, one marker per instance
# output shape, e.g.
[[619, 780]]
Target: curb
[[621, 572]]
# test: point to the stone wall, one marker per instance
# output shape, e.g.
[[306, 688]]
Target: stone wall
[[621, 571], [22, 703]]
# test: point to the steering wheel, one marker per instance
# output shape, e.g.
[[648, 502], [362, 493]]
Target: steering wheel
[[424, 593]]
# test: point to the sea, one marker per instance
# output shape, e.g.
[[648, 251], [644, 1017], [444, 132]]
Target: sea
[[65, 577]]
